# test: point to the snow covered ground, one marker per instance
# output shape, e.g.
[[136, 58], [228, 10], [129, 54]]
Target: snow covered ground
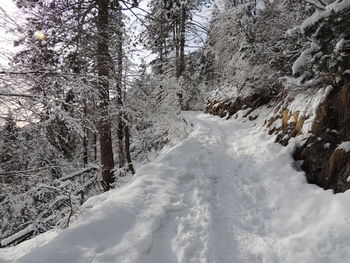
[[226, 194]]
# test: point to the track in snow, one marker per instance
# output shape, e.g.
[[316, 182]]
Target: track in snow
[[226, 194]]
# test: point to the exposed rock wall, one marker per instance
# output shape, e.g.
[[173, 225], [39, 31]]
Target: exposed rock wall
[[225, 108], [324, 164]]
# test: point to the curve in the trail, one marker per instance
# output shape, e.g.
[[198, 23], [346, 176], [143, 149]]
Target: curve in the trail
[[226, 194]]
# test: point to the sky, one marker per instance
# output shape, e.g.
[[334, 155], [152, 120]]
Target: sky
[[8, 20]]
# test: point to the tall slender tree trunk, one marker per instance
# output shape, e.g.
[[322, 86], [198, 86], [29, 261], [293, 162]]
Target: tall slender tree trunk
[[103, 68], [127, 150], [123, 133], [77, 70], [182, 41], [162, 45], [121, 123], [85, 137], [95, 145], [177, 46]]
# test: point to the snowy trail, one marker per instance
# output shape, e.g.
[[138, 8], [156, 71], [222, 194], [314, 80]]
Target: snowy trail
[[226, 194]]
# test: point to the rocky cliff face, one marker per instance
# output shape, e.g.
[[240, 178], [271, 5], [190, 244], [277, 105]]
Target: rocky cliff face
[[324, 163], [228, 107], [319, 123]]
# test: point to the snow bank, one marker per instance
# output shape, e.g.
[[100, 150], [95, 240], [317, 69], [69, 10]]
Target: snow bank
[[226, 194]]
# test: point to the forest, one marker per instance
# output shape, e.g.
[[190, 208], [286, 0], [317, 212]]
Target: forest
[[98, 96]]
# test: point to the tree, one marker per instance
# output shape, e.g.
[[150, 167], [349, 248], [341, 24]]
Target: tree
[[85, 48], [69, 89], [103, 68], [167, 26]]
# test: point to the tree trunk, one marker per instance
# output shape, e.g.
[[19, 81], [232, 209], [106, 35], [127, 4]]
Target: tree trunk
[[120, 129], [176, 44], [182, 40], [123, 129], [127, 150], [161, 45], [103, 68], [85, 137], [77, 70], [95, 145]]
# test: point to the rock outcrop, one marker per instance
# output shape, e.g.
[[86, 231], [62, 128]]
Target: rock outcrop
[[323, 162]]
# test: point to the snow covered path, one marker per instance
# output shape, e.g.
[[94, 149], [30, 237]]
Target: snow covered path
[[226, 194]]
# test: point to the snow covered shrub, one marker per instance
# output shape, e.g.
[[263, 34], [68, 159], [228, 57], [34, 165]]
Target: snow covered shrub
[[157, 117], [43, 204], [226, 39], [327, 54], [249, 52], [154, 112], [34, 194]]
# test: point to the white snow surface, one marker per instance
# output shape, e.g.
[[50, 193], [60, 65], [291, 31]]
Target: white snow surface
[[345, 146], [226, 194], [305, 58], [331, 9], [339, 6], [19, 234]]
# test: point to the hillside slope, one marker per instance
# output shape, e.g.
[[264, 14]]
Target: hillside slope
[[226, 194]]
